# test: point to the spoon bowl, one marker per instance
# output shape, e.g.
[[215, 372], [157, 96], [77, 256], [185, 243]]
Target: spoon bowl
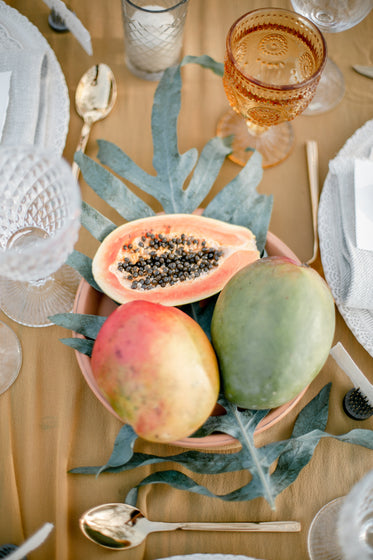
[[94, 99], [121, 526]]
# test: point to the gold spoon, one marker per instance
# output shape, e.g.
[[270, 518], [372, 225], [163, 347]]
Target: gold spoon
[[121, 526], [94, 99]]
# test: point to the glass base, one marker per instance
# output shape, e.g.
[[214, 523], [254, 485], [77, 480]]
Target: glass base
[[322, 535], [330, 91], [275, 144], [10, 357], [143, 74], [32, 303]]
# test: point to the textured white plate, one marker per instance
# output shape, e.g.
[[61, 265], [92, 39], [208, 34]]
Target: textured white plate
[[16, 31], [359, 321]]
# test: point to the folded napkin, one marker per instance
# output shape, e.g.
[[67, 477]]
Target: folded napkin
[[31, 543], [355, 264], [72, 23], [26, 113]]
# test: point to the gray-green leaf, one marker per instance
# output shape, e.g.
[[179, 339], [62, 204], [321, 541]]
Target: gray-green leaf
[[85, 324], [206, 62], [292, 455], [250, 209], [94, 222], [83, 265], [112, 190], [82, 345]]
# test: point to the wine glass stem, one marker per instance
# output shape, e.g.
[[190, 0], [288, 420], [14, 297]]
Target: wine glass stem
[[40, 281], [255, 129]]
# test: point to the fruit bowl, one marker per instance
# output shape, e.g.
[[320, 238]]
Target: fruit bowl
[[90, 301]]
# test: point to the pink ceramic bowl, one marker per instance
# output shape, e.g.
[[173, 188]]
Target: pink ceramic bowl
[[89, 301]]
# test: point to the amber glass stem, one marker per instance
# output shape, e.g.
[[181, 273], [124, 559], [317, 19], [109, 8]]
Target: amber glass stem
[[256, 129]]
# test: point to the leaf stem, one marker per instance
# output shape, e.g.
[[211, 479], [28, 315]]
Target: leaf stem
[[252, 450]]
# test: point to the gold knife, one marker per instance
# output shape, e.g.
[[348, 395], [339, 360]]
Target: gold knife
[[364, 70]]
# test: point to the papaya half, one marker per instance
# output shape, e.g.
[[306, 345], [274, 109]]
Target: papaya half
[[172, 259]]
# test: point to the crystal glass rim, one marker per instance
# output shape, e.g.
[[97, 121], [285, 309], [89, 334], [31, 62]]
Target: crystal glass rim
[[333, 28], [290, 87], [141, 8], [75, 196]]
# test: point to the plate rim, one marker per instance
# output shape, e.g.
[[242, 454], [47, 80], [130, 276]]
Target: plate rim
[[27, 32], [353, 317]]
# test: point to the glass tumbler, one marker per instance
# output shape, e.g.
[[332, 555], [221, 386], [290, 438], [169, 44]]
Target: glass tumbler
[[153, 35]]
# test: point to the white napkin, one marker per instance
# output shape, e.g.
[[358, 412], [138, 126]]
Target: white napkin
[[32, 543], [355, 264], [25, 119], [346, 363], [72, 23]]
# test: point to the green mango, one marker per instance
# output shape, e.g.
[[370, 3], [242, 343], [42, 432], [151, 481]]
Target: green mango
[[272, 329]]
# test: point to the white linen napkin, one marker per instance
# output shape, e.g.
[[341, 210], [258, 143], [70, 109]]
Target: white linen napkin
[[346, 363], [72, 23], [355, 264], [25, 114], [32, 543]]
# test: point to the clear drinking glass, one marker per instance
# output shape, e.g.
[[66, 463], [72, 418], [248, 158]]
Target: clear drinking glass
[[153, 35], [331, 16], [39, 225], [343, 528], [273, 63]]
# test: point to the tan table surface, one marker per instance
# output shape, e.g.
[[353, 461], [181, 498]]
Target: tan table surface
[[50, 421]]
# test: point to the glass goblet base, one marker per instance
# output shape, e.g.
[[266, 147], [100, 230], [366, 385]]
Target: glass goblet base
[[32, 303], [11, 357], [275, 144], [322, 535], [330, 91]]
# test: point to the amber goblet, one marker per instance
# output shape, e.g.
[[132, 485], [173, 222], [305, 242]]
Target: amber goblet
[[273, 63]]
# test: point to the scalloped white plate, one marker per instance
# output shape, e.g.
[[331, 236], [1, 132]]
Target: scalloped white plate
[[359, 321], [18, 32]]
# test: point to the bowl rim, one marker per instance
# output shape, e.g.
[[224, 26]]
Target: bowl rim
[[85, 292]]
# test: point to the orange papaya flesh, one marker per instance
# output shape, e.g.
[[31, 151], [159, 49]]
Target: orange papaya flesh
[[171, 259]]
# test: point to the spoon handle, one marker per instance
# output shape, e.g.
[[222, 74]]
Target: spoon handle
[[266, 526], [313, 170], [84, 135]]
